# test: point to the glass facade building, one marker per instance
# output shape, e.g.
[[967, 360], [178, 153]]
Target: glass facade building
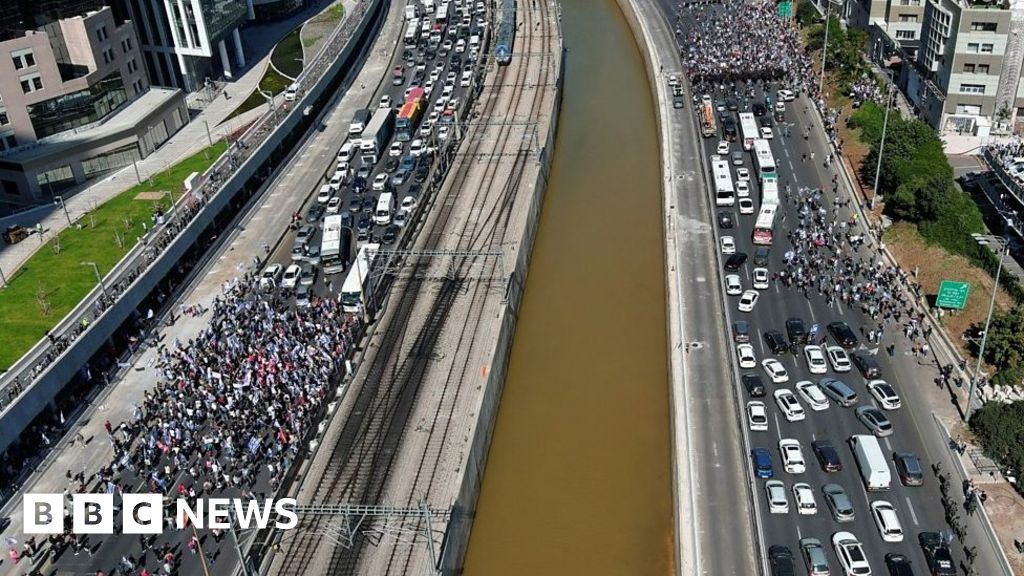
[[78, 108]]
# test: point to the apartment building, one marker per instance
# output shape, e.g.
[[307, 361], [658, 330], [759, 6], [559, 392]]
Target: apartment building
[[75, 104]]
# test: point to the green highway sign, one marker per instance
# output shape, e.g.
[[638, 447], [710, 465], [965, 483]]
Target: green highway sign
[[952, 294], [786, 9]]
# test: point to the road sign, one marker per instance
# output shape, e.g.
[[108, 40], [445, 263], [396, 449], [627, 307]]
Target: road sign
[[785, 9], [952, 294]]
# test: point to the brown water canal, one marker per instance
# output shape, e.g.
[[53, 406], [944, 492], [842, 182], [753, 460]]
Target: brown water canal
[[578, 476]]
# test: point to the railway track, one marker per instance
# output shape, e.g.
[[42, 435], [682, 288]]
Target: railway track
[[362, 459]]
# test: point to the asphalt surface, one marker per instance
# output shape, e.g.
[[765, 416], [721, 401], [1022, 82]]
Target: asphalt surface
[[918, 508]]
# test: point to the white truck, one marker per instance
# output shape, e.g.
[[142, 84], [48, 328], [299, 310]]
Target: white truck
[[874, 470]]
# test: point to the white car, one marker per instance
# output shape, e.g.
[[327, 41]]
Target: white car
[[743, 189], [760, 278], [335, 182], [444, 132], [789, 405], [723, 148], [396, 150], [733, 285], [417, 148], [815, 358], [803, 496], [746, 205], [766, 132], [785, 95], [385, 101], [778, 502], [742, 175], [728, 244], [775, 370], [380, 182], [745, 352], [851, 554], [886, 395], [748, 300], [401, 217], [467, 76], [780, 107], [838, 358], [888, 524], [271, 276], [757, 416], [334, 205], [408, 203], [792, 456], [325, 194], [813, 395], [291, 276]]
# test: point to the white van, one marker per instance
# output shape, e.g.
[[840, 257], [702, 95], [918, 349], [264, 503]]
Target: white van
[[385, 208], [474, 43], [725, 198], [874, 470], [291, 93], [346, 151]]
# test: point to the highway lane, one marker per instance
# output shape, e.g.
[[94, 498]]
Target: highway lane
[[919, 508]]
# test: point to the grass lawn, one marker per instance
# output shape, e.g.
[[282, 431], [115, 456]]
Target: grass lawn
[[287, 56], [271, 82], [934, 265], [62, 278], [331, 15]]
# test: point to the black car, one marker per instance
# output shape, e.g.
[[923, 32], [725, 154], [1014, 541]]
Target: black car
[[390, 234], [759, 109], [867, 364], [729, 127], [391, 164], [842, 334], [908, 468], [796, 331], [741, 331], [827, 455], [936, 553], [753, 384], [315, 212], [765, 121], [421, 174], [779, 116], [898, 565], [725, 219], [732, 105], [369, 204], [761, 256], [346, 219], [776, 342], [364, 222], [781, 560], [734, 261]]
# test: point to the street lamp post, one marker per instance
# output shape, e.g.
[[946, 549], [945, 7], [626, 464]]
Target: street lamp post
[[208, 137], [824, 48], [59, 201], [881, 145], [270, 100], [1004, 248], [96, 270]]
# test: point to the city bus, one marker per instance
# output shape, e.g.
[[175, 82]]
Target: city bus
[[409, 115], [335, 245], [764, 162], [707, 121], [770, 192], [412, 32], [764, 224], [358, 279], [748, 129], [725, 195], [441, 16]]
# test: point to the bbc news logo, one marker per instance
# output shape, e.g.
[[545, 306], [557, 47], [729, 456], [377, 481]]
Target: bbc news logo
[[143, 513]]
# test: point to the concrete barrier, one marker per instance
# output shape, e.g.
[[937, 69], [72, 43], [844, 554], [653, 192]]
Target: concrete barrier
[[233, 193]]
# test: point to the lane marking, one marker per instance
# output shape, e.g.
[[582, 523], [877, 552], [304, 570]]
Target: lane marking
[[760, 343], [811, 308], [799, 534], [778, 427], [913, 513]]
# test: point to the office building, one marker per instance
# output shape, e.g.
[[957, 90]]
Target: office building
[[75, 104]]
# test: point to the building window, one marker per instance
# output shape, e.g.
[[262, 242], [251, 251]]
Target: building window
[[101, 33], [983, 26], [78, 108], [986, 48], [972, 47], [982, 68], [23, 59], [110, 161], [31, 83], [8, 141], [56, 180], [126, 45], [4, 119], [972, 88], [908, 17], [968, 68], [906, 34]]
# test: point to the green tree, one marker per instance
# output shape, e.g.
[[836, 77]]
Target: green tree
[[919, 199], [806, 14], [1000, 427], [1005, 345]]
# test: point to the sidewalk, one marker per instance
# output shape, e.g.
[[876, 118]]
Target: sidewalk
[[191, 139]]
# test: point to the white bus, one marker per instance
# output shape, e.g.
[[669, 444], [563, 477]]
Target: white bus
[[770, 192], [748, 129], [725, 195], [764, 162], [334, 245], [441, 16], [358, 276], [764, 225], [385, 208], [412, 32]]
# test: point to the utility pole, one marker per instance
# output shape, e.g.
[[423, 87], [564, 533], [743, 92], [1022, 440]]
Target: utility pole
[[59, 201], [881, 145], [1004, 248]]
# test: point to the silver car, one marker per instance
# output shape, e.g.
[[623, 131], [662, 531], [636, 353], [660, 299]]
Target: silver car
[[838, 502]]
